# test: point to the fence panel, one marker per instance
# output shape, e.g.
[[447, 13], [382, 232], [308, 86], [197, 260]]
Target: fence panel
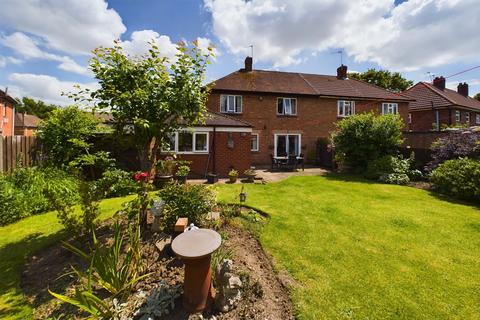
[[17, 148]]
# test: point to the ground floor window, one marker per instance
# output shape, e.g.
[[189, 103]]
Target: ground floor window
[[477, 118], [389, 108], [467, 117], [287, 144], [457, 116], [187, 142], [254, 142]]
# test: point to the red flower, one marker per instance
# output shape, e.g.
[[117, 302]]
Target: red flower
[[141, 176]]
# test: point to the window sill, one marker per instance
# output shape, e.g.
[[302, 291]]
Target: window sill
[[232, 113], [255, 151], [287, 115]]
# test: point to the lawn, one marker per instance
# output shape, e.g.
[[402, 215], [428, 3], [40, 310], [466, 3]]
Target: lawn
[[361, 250], [21, 239]]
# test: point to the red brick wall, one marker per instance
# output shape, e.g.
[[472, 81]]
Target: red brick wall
[[7, 127], [423, 120], [226, 156], [315, 119]]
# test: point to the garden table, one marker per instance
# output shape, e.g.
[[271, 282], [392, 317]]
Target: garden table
[[196, 248]]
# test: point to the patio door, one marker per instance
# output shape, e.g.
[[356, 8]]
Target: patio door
[[287, 144]]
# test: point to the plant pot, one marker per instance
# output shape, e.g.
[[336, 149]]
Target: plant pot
[[233, 179], [182, 179], [212, 178], [160, 181], [250, 177]]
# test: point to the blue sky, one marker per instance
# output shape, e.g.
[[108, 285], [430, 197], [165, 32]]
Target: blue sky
[[44, 45]]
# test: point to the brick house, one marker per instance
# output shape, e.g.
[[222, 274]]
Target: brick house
[[26, 124], [7, 114], [290, 111], [221, 144], [436, 106]]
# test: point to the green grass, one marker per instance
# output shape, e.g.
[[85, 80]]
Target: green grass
[[362, 250], [23, 238]]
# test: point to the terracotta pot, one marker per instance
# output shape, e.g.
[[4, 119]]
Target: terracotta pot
[[250, 177]]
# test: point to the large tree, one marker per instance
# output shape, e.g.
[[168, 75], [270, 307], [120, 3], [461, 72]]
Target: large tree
[[477, 96], [35, 107], [150, 96], [392, 81]]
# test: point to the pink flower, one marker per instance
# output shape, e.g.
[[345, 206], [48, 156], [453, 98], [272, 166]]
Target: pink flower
[[141, 176]]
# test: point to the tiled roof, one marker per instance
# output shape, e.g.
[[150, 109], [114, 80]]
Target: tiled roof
[[4, 96], [217, 119], [302, 84], [27, 120], [425, 93], [212, 119]]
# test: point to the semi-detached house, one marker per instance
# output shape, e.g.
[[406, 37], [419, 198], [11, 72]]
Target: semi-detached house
[[290, 111]]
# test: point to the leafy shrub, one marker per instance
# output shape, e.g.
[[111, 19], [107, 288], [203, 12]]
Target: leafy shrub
[[393, 170], [183, 171], [456, 145], [362, 138], [191, 201], [459, 178], [394, 178], [116, 183], [28, 191]]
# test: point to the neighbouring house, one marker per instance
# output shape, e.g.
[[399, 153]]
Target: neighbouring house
[[290, 111], [7, 114], [436, 107], [26, 124]]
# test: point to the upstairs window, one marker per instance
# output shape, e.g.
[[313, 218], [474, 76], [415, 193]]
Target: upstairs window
[[467, 117], [389, 108], [457, 116], [287, 106], [230, 104], [345, 108]]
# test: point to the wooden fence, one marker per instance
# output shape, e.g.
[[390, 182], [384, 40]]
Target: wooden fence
[[15, 150]]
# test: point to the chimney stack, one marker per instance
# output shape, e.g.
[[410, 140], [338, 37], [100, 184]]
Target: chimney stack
[[342, 72], [248, 64], [439, 82], [462, 88]]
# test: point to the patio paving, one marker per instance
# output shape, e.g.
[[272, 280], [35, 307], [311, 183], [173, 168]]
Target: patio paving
[[265, 175]]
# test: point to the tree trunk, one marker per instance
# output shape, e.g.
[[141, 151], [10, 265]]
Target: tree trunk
[[147, 155]]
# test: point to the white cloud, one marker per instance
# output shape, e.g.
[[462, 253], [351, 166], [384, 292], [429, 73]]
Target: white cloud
[[43, 87], [413, 35], [28, 48], [139, 43], [6, 60], [70, 26]]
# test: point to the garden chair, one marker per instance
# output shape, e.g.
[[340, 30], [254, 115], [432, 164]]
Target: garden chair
[[275, 163]]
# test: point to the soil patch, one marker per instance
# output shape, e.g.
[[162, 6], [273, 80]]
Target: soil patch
[[44, 271]]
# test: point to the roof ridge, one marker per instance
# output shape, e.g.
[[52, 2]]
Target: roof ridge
[[437, 91], [378, 87], [308, 82]]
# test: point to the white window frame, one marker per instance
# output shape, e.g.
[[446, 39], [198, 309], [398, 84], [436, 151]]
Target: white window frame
[[194, 142], [477, 118], [409, 118], [228, 107], [284, 113], [389, 108], [287, 134], [458, 117], [258, 142], [467, 117], [342, 104]]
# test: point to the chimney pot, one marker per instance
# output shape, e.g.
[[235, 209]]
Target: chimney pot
[[342, 72], [462, 89], [248, 64], [439, 82]]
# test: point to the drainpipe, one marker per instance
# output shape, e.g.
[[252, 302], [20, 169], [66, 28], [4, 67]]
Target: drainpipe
[[214, 147]]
